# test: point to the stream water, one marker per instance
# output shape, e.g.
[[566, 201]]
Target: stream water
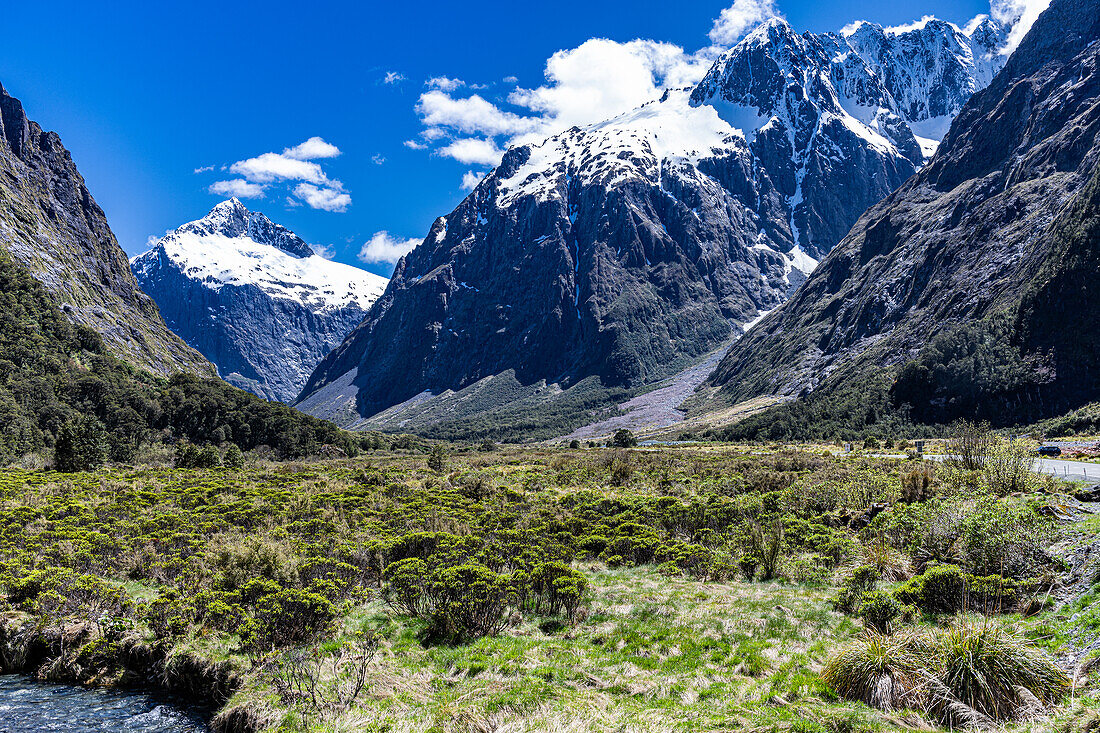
[[28, 706]]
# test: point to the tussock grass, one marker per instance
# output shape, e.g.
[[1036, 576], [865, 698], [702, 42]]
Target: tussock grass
[[977, 672]]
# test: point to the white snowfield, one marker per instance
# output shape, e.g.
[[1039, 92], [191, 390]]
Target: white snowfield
[[630, 145], [203, 253]]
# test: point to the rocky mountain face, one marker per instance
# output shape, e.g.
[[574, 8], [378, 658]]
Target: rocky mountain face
[[975, 278], [51, 225], [627, 249], [253, 297]]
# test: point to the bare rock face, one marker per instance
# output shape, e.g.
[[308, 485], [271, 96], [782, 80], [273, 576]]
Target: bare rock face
[[50, 224], [981, 230], [254, 298], [627, 249]]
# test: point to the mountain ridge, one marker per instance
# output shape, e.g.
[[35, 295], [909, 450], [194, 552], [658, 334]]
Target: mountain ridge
[[927, 278], [50, 224]]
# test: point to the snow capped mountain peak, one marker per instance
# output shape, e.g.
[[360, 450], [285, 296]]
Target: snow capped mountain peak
[[237, 247], [233, 219], [253, 298]]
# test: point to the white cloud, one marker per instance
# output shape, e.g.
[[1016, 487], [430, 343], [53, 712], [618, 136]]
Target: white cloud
[[324, 198], [237, 187], [906, 27], [295, 167], [378, 159], [444, 83], [1021, 14], [851, 27], [384, 248], [322, 250], [470, 180], [510, 80], [468, 115], [739, 18], [311, 149], [392, 77], [204, 169], [602, 78], [271, 167], [598, 79], [976, 21], [473, 151]]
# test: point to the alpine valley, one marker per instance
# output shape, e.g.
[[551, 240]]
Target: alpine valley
[[609, 258], [253, 298], [769, 405]]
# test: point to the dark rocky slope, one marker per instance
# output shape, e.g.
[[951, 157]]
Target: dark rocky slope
[[50, 223], [971, 283]]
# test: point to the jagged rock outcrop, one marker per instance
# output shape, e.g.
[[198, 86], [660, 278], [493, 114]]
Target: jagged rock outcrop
[[50, 224], [253, 298], [626, 249], [1001, 223]]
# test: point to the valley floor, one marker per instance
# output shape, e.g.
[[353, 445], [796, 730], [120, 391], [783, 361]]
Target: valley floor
[[542, 589]]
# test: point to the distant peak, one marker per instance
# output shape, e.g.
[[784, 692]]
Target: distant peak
[[233, 219], [769, 31]]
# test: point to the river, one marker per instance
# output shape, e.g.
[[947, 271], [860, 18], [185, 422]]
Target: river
[[28, 706]]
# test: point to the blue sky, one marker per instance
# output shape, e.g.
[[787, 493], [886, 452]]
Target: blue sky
[[143, 94]]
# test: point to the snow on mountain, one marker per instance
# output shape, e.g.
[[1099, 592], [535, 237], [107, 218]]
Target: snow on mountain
[[233, 246], [254, 298]]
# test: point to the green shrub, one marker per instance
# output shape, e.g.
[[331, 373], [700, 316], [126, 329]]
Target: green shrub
[[862, 580], [624, 438], [766, 543], [81, 445], [468, 601], [290, 616], [405, 585], [879, 610], [1002, 537], [189, 455], [437, 458], [940, 589], [552, 588], [234, 456], [810, 568]]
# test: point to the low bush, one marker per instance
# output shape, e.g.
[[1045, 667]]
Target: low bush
[[862, 580], [879, 611], [289, 616], [940, 589], [468, 601]]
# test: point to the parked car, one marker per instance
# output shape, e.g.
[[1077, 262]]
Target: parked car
[[1050, 450]]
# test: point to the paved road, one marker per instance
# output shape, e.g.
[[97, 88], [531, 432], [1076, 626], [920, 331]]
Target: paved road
[[1069, 470]]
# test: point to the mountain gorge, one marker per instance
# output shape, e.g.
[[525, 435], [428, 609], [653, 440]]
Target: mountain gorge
[[972, 283], [50, 224], [619, 253], [253, 298]]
